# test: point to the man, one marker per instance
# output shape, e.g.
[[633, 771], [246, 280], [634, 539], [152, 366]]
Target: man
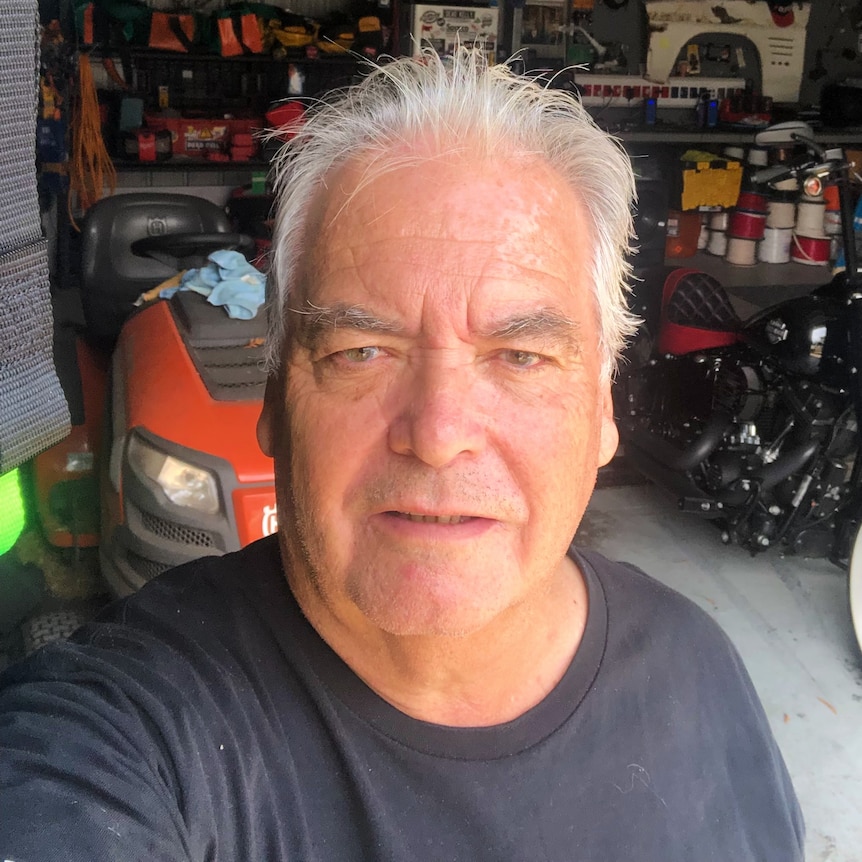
[[418, 668]]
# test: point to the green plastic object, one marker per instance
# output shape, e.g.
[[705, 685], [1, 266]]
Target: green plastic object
[[13, 515], [258, 183]]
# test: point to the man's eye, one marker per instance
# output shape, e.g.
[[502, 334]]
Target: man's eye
[[360, 354], [521, 358]]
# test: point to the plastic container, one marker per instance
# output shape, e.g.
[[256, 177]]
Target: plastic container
[[683, 231]]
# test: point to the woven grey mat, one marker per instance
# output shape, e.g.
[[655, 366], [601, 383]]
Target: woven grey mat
[[33, 410]]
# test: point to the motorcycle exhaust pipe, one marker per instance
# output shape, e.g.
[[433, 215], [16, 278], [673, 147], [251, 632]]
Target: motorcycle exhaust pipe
[[774, 473], [683, 460], [672, 481]]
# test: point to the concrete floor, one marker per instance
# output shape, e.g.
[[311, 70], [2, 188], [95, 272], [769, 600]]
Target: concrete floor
[[789, 617]]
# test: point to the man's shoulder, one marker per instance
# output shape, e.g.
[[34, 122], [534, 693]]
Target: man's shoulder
[[214, 586], [621, 580], [646, 615], [187, 620]]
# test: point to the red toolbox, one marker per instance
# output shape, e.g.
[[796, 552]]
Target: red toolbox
[[207, 136]]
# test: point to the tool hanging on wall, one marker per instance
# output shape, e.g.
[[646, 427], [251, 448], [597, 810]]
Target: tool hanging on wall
[[582, 11], [91, 170]]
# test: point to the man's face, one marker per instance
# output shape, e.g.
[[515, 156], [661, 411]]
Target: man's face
[[442, 416]]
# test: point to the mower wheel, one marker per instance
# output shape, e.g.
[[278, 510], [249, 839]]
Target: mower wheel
[[51, 626]]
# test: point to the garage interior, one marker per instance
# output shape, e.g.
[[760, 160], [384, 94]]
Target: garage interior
[[163, 125]]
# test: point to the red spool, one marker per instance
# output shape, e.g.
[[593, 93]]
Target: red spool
[[746, 225], [813, 250], [752, 202]]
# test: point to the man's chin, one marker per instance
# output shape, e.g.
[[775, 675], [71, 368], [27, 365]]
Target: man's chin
[[432, 605]]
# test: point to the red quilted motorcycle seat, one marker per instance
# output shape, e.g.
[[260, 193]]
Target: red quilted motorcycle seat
[[696, 313]]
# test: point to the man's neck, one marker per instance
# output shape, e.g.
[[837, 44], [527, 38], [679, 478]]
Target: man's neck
[[485, 678]]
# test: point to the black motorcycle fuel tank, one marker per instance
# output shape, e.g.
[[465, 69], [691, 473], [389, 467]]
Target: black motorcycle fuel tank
[[806, 335]]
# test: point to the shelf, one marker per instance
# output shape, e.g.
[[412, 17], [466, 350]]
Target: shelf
[[229, 84], [192, 165], [684, 135], [208, 56], [788, 278]]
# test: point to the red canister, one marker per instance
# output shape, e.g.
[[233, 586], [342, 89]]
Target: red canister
[[746, 225], [812, 250], [752, 201]]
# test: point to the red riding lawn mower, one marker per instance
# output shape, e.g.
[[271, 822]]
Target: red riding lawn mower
[[170, 394]]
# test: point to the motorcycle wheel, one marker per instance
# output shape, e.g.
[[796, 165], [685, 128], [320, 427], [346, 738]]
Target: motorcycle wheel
[[855, 586]]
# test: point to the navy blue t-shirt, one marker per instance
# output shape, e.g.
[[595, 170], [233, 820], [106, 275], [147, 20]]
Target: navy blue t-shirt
[[204, 719]]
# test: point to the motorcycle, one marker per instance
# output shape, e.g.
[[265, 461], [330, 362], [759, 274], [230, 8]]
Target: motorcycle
[[755, 424]]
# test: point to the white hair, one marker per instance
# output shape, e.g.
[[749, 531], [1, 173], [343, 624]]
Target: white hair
[[456, 99]]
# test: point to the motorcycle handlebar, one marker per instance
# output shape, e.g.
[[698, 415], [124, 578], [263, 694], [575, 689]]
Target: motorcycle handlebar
[[794, 168], [769, 175]]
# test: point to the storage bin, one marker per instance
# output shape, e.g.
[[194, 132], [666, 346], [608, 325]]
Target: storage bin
[[683, 230], [709, 181], [204, 136]]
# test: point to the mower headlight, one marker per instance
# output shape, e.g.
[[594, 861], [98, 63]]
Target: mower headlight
[[182, 483]]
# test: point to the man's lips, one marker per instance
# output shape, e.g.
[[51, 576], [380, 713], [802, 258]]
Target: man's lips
[[424, 525], [432, 519]]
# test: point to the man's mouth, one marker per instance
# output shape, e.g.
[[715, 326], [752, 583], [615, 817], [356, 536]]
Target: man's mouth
[[432, 519]]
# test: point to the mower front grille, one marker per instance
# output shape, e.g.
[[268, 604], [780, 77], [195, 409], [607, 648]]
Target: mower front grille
[[174, 532], [147, 569]]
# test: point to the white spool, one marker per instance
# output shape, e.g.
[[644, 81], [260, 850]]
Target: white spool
[[719, 220], [789, 185], [757, 156], [781, 214], [717, 244], [703, 236], [775, 246], [734, 153], [832, 222], [810, 250], [741, 252], [810, 214]]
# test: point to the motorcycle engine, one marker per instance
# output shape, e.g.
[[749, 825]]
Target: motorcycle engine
[[740, 390]]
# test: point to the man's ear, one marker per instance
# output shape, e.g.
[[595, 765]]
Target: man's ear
[[269, 415], [609, 437]]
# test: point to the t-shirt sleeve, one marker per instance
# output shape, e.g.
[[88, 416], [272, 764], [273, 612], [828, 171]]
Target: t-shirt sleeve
[[83, 773], [678, 669]]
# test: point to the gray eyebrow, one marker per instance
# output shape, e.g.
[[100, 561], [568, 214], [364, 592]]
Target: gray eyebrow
[[314, 321], [546, 323]]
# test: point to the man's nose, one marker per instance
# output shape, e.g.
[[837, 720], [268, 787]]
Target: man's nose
[[441, 417]]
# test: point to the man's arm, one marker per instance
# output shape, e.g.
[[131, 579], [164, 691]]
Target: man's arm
[[83, 772]]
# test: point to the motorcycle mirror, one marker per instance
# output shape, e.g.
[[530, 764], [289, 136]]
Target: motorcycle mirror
[[785, 134]]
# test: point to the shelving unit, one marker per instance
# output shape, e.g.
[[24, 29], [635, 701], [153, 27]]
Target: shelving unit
[[246, 83], [210, 85]]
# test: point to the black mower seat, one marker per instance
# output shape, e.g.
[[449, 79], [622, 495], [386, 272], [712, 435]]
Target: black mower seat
[[112, 275]]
